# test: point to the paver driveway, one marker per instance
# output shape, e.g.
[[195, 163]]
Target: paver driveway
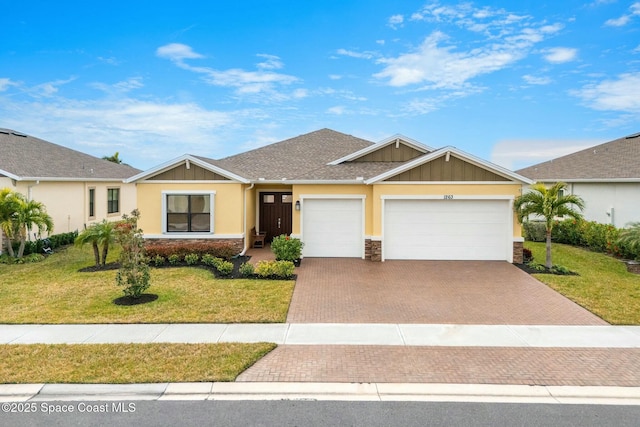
[[346, 290]]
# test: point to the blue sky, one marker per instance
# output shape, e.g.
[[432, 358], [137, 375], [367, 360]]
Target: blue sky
[[514, 82]]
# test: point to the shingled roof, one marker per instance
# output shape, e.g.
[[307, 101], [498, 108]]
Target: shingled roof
[[301, 157], [614, 160], [24, 157]]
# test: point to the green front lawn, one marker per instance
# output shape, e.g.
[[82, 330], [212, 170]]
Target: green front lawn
[[53, 291], [603, 286], [126, 363]]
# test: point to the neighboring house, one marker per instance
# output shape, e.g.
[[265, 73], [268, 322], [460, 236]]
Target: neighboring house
[[76, 188], [343, 196], [606, 176]]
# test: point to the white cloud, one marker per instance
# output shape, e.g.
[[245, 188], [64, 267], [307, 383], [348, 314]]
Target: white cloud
[[337, 110], [145, 132], [440, 62], [395, 21], [618, 22], [271, 62], [245, 82], [634, 10], [5, 83], [442, 67], [335, 76], [49, 89], [518, 154], [353, 54], [120, 87], [177, 52], [621, 94], [535, 80], [559, 55]]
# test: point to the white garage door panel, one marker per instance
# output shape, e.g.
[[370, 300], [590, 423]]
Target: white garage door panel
[[446, 229], [332, 228]]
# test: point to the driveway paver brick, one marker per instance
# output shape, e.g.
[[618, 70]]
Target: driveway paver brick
[[347, 290], [462, 365]]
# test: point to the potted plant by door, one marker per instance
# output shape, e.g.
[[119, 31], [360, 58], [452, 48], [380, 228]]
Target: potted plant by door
[[287, 248]]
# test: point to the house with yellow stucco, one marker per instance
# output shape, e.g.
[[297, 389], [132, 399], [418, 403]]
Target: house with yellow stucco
[[77, 189], [343, 196]]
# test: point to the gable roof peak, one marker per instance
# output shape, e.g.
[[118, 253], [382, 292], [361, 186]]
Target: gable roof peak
[[397, 139]]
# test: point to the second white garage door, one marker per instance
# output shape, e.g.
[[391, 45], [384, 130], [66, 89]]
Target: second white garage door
[[447, 229], [332, 228]]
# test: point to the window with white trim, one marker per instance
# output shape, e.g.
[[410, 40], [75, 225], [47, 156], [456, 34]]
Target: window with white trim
[[113, 200], [188, 213]]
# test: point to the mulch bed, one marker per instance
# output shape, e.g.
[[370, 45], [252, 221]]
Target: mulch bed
[[235, 274], [142, 299], [530, 270]]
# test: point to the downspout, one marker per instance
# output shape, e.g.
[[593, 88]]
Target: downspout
[[244, 222]]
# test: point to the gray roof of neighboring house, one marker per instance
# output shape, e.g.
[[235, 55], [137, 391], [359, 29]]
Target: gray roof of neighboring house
[[25, 157], [615, 160], [303, 157]]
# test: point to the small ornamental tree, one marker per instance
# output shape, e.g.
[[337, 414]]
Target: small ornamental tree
[[133, 274]]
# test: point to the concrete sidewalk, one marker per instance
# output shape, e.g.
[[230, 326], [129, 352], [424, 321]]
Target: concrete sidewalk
[[321, 391], [330, 334]]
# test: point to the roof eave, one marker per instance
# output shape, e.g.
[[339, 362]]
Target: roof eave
[[587, 180], [187, 157]]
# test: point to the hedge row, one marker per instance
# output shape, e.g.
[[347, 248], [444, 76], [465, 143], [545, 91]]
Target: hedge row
[[55, 241], [165, 250], [589, 234]]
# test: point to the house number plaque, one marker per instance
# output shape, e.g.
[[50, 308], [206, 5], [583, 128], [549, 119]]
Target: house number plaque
[[448, 197]]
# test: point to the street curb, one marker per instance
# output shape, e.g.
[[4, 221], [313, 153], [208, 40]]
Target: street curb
[[323, 391]]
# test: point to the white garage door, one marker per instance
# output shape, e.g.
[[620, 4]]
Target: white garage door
[[332, 228], [447, 229]]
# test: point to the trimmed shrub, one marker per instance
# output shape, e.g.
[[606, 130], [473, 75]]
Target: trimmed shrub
[[217, 249], [55, 241], [286, 248], [527, 255], [174, 259], [534, 231], [191, 259], [275, 269], [225, 268], [158, 260], [246, 269], [208, 259]]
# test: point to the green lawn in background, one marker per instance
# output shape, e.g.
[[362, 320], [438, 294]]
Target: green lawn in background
[[603, 285]]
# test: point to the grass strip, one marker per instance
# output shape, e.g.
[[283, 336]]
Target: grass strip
[[126, 363]]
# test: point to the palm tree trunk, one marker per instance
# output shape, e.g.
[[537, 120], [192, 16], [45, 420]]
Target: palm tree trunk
[[105, 251], [23, 242], [96, 253], [548, 259], [9, 246]]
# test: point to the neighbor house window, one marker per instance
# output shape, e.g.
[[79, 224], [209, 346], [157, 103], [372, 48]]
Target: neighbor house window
[[92, 202], [188, 213], [113, 200]]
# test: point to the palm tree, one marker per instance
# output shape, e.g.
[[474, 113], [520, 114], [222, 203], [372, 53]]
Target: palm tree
[[115, 158], [630, 237], [100, 235], [7, 223], [29, 214], [548, 203]]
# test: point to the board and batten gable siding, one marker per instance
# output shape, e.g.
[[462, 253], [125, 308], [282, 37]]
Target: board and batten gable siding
[[440, 170], [192, 173], [391, 154]]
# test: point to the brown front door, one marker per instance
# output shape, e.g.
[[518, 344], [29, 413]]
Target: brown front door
[[275, 213]]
